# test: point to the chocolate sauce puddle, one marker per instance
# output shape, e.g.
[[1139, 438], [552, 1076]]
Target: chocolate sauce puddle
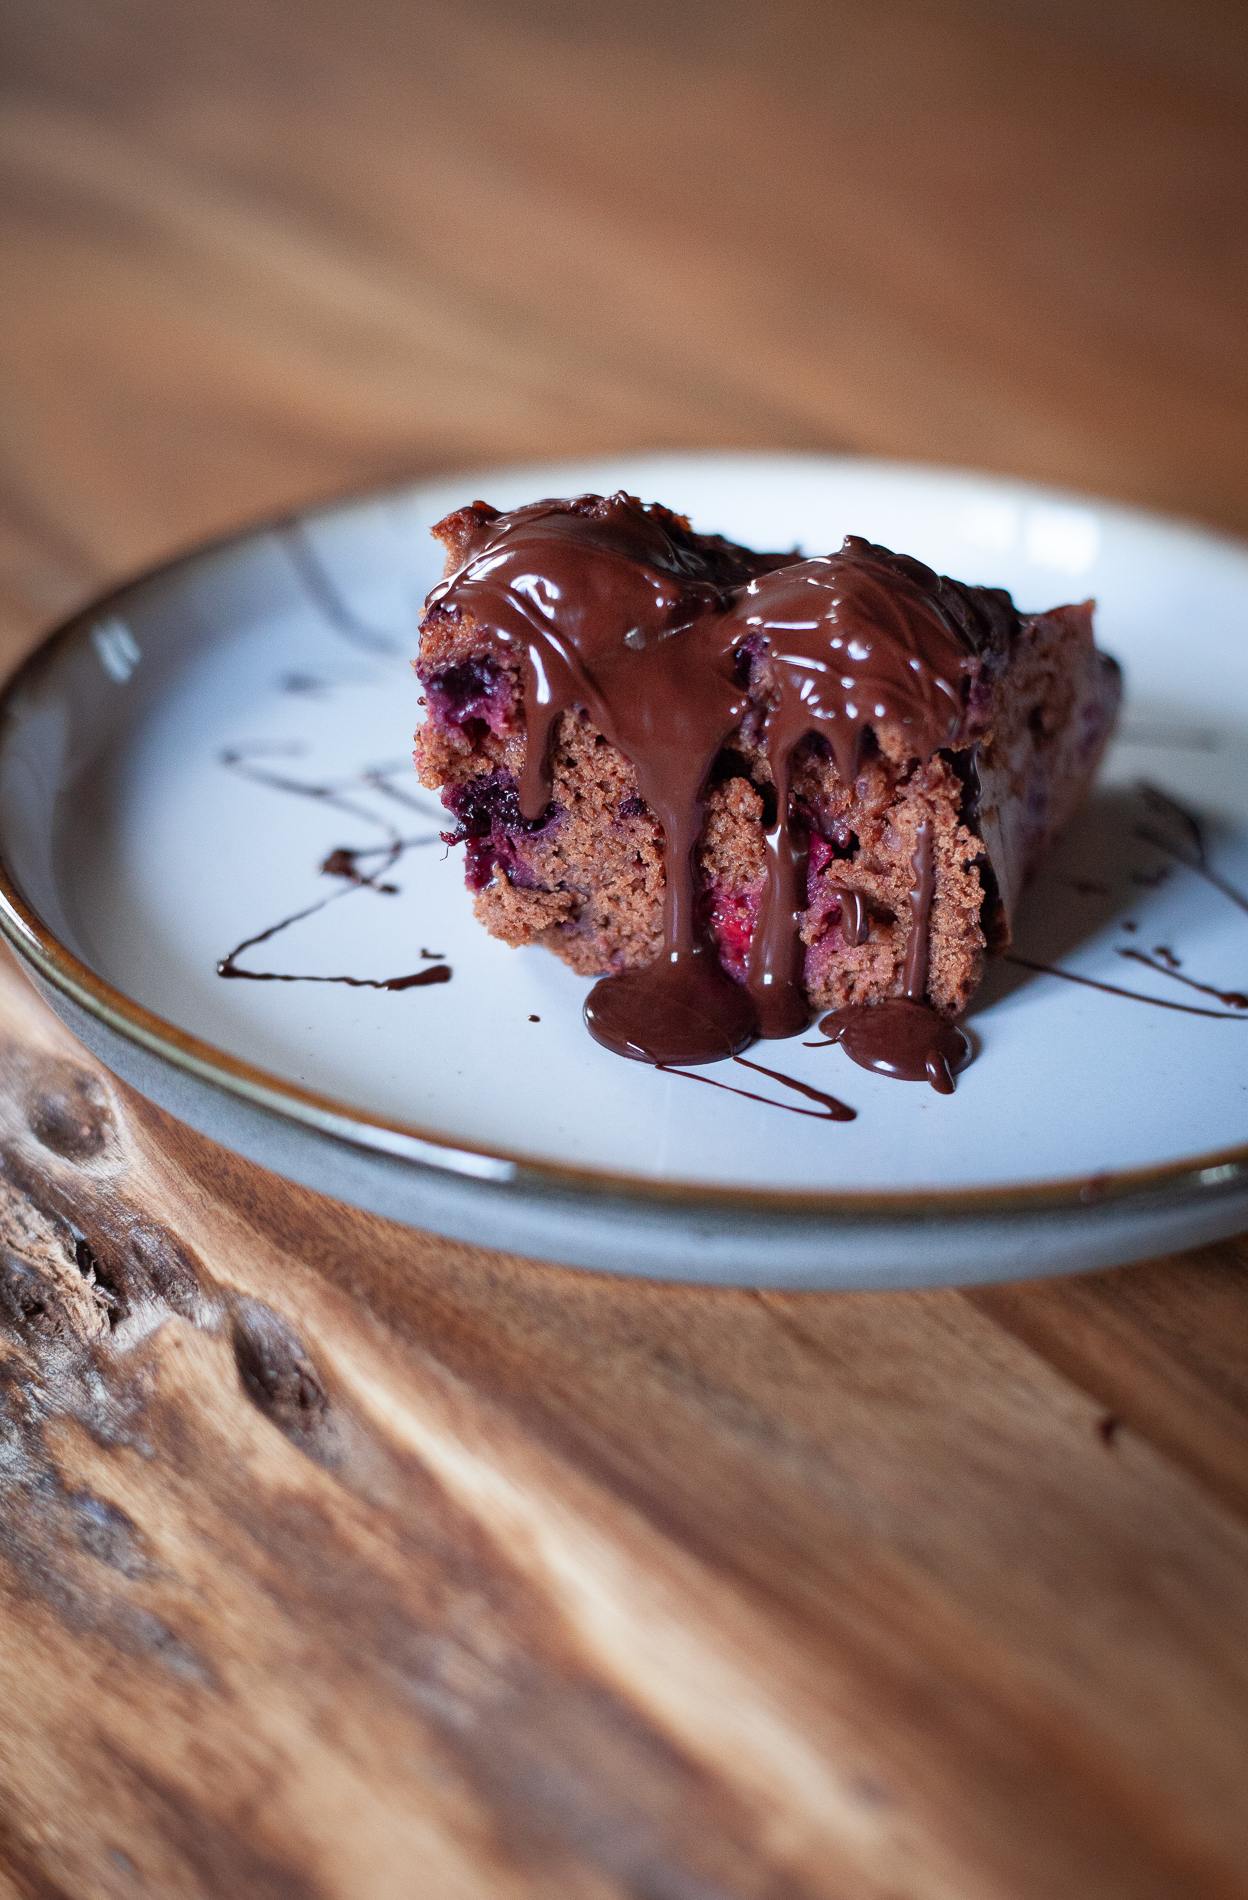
[[831, 1111], [343, 862], [680, 1009], [901, 1038], [667, 641]]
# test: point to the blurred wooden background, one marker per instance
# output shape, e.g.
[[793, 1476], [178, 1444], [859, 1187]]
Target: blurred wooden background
[[339, 1563], [258, 250]]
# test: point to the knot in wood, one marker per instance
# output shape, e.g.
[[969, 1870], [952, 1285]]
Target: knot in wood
[[67, 1109], [280, 1379]]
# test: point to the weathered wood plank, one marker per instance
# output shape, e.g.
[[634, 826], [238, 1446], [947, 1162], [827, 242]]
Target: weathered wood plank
[[263, 256], [558, 1581], [1163, 1348]]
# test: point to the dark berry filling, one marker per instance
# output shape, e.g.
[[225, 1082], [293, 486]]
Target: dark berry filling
[[478, 691], [493, 829]]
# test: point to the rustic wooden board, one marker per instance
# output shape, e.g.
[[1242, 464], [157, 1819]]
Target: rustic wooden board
[[343, 1563], [332, 1550]]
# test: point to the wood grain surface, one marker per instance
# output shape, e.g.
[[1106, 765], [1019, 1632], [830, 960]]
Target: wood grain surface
[[339, 1562]]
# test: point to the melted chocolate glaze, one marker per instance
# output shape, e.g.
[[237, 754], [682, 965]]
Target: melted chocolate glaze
[[668, 640], [921, 894], [853, 915], [901, 1038]]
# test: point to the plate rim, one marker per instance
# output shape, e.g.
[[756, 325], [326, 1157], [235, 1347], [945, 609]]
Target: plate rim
[[35, 942]]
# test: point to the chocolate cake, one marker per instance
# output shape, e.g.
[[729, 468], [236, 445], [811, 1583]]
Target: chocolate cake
[[744, 787]]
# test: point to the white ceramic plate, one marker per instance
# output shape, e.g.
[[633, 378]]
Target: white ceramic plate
[[178, 762]]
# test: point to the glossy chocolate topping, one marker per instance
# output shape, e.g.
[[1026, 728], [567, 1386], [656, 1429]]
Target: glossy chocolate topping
[[669, 640], [901, 1038]]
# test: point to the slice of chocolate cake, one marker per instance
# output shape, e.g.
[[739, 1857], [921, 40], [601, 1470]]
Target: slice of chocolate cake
[[742, 787]]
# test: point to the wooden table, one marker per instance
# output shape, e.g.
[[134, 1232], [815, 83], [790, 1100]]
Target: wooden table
[[345, 1563]]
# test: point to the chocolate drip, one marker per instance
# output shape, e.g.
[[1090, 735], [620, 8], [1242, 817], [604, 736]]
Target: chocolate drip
[[904, 1036], [667, 640], [853, 916], [777, 953], [918, 946]]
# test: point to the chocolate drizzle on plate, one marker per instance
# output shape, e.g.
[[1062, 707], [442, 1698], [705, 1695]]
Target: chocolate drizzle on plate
[[667, 640], [1166, 964], [344, 861], [1179, 833], [1112, 989], [415, 980], [830, 1109]]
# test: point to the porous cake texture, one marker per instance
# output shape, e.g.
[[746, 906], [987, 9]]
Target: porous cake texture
[[1031, 703]]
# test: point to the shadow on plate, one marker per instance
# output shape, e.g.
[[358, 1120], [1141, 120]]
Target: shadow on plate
[[1100, 870]]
